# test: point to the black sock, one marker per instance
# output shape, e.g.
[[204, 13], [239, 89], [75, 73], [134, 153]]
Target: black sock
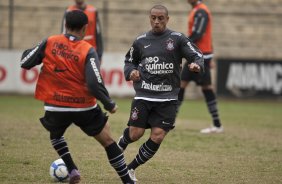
[[61, 147], [180, 98], [125, 140], [117, 161], [181, 94], [146, 152], [212, 106]]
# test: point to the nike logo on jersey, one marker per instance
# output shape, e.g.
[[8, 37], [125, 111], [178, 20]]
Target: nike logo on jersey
[[57, 70], [146, 46]]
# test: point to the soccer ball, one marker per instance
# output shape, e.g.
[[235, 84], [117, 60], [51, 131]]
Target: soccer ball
[[58, 170]]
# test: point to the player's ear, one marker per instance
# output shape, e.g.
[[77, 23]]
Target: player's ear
[[65, 27], [83, 29]]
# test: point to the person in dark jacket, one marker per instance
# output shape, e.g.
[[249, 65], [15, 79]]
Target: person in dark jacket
[[153, 63]]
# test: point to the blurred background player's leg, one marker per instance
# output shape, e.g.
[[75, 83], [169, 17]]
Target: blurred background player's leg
[[211, 102]]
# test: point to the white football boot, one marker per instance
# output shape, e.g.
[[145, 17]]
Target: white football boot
[[212, 129], [132, 175]]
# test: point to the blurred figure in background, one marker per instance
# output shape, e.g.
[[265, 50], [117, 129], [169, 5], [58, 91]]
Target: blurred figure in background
[[200, 32], [153, 63], [69, 84], [93, 32]]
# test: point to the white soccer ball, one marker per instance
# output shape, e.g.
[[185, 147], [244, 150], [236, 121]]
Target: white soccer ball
[[58, 170]]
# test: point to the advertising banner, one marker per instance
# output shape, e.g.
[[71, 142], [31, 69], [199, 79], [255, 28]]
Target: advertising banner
[[249, 78]]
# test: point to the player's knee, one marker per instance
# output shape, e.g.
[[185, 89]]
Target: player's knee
[[136, 136], [108, 142], [158, 138], [136, 133], [183, 84], [105, 141], [104, 137], [207, 87]]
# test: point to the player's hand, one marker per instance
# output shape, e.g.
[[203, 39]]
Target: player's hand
[[114, 109], [134, 75], [194, 67]]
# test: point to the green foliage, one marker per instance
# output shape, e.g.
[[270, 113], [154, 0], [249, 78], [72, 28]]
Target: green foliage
[[249, 151]]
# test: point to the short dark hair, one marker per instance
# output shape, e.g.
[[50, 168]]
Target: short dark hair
[[160, 7], [75, 20]]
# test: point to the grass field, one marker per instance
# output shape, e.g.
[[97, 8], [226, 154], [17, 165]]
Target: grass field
[[248, 152]]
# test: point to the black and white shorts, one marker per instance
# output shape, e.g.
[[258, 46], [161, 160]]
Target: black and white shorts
[[199, 79], [91, 122], [148, 114]]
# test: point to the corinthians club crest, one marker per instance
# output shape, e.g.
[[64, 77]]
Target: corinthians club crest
[[134, 114], [169, 44]]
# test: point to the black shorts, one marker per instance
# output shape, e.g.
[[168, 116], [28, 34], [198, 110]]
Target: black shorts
[[91, 122], [199, 79], [147, 114]]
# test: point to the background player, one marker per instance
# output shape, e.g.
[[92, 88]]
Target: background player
[[200, 32], [93, 32]]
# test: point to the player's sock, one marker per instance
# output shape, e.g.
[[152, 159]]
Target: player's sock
[[146, 151], [180, 98], [117, 161], [125, 139], [60, 145], [181, 94], [212, 106]]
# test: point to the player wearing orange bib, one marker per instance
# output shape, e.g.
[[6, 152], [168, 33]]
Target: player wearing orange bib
[[200, 32], [69, 84], [93, 33]]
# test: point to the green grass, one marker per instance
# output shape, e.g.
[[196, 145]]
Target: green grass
[[248, 152]]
